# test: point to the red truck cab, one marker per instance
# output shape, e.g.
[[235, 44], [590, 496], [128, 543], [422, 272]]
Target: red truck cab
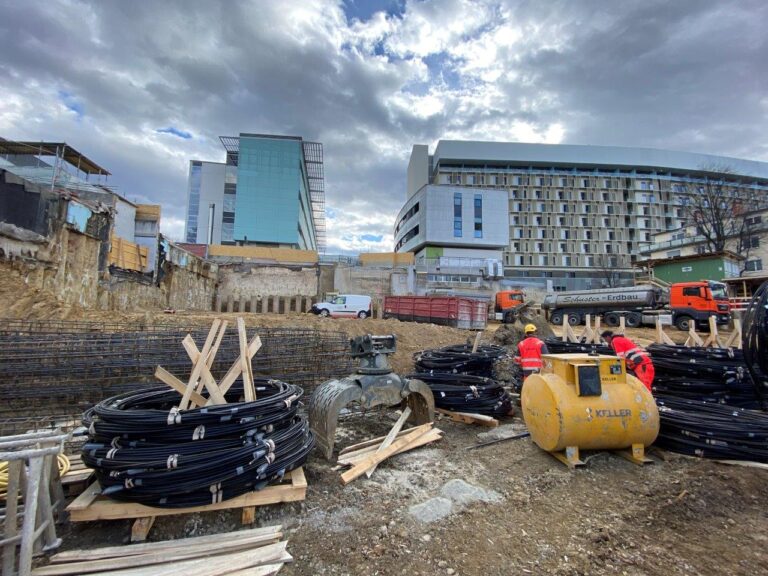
[[697, 301], [507, 304]]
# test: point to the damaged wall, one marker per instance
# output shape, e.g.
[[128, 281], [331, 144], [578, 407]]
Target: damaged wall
[[244, 281], [374, 282]]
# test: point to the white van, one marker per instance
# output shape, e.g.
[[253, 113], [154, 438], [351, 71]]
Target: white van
[[344, 306]]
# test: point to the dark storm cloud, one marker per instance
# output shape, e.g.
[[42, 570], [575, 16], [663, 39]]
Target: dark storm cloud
[[370, 79]]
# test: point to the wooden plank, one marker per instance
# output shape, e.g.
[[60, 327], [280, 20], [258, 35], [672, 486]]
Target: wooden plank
[[76, 476], [266, 570], [141, 527], [661, 336], [368, 443], [370, 448], [167, 378], [247, 369], [360, 468], [475, 345], [399, 424], [248, 515], [469, 418], [161, 562], [356, 457], [234, 372], [256, 534], [735, 339], [206, 378], [106, 509], [195, 376], [85, 499]]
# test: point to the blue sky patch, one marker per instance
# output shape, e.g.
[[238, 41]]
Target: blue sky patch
[[175, 132], [330, 213], [71, 103], [364, 9], [371, 237]]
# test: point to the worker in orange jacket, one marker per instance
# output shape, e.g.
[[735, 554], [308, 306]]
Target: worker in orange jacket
[[531, 349], [637, 359]]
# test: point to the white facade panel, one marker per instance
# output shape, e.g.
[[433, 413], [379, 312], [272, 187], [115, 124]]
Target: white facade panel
[[212, 177], [125, 219]]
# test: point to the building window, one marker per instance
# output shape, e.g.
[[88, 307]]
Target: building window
[[753, 242], [470, 179], [478, 216], [585, 248], [457, 215], [608, 249], [753, 265], [567, 261]]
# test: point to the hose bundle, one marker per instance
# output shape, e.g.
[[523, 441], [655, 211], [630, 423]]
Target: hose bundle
[[144, 449], [712, 430], [460, 359], [557, 346], [467, 393], [755, 342], [717, 375]]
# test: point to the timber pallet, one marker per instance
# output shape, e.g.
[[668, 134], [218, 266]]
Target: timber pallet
[[91, 505], [77, 477]]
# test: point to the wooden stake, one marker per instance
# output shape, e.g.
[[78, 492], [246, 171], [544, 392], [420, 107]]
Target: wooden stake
[[735, 339], [234, 372], [195, 376], [474, 347], [661, 336], [249, 392]]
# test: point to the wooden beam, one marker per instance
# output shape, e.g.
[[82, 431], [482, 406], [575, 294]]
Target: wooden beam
[[167, 378], [150, 547], [353, 458], [469, 418], [475, 345], [195, 376], [141, 527], [91, 508], [735, 339], [245, 360], [368, 443], [360, 468], [268, 553], [234, 372], [399, 425], [661, 336], [206, 378]]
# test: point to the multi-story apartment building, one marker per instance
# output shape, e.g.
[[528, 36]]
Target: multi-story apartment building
[[270, 191], [572, 212]]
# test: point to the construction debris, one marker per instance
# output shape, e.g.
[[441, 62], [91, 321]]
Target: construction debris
[[260, 551], [371, 453]]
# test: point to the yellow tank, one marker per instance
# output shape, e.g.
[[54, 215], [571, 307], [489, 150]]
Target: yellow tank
[[588, 402]]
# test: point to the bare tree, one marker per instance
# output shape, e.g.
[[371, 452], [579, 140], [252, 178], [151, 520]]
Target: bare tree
[[609, 269], [717, 207]]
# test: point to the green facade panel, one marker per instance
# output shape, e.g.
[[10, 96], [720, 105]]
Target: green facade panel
[[691, 270]]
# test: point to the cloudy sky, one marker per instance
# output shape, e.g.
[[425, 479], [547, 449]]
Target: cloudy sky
[[144, 86]]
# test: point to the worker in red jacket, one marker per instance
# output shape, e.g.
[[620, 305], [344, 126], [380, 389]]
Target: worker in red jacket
[[531, 349], [637, 360]]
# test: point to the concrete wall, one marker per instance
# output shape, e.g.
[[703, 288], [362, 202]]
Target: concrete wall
[[373, 282], [244, 281]]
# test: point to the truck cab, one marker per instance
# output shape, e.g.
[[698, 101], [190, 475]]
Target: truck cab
[[697, 301], [507, 305]]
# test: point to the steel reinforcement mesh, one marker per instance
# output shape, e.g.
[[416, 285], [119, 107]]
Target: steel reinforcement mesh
[[62, 368]]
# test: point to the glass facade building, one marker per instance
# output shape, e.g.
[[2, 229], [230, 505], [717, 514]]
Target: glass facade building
[[270, 191]]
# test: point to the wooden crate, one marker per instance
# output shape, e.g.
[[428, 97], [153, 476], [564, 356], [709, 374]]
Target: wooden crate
[[90, 505]]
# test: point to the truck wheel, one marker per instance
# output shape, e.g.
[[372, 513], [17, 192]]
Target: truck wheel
[[574, 319], [611, 320], [633, 320], [683, 323], [510, 317], [556, 318]]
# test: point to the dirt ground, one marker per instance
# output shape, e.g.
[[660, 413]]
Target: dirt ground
[[679, 515]]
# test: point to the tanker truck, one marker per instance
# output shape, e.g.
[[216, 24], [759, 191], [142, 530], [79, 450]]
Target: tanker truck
[[686, 302]]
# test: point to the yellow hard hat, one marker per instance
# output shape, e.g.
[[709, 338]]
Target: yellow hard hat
[[529, 328]]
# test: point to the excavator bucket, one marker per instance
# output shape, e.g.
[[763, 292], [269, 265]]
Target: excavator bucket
[[324, 407], [374, 384]]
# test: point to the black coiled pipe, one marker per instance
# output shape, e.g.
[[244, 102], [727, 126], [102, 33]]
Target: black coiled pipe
[[467, 393], [460, 359], [755, 342], [143, 450]]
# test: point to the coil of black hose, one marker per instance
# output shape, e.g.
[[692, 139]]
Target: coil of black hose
[[467, 393], [718, 375], [557, 346], [755, 342], [460, 359], [144, 450], [712, 430]]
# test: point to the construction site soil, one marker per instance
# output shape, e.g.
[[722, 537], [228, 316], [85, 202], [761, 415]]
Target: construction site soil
[[680, 515]]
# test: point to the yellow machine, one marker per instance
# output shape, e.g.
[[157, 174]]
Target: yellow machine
[[587, 402]]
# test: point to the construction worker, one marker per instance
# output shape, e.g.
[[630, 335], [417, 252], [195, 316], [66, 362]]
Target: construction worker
[[531, 349], [637, 360]]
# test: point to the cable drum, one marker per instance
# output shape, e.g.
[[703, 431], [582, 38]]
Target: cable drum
[[460, 359], [145, 450], [467, 393]]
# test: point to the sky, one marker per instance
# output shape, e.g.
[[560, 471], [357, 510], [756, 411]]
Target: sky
[[142, 87]]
